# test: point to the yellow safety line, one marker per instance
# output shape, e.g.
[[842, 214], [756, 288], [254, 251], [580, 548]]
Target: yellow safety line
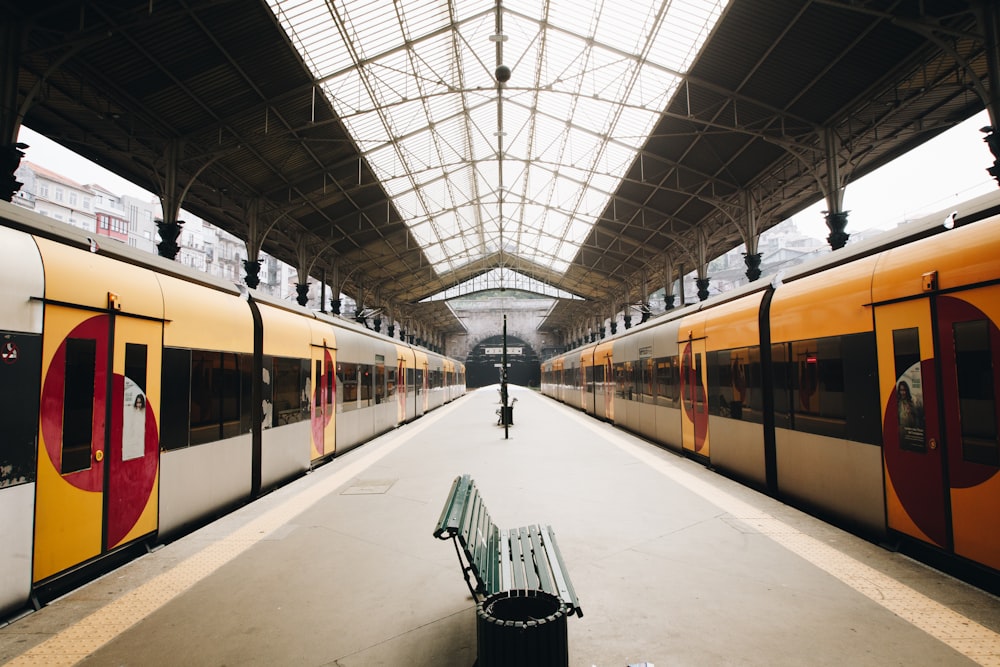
[[77, 641], [975, 641]]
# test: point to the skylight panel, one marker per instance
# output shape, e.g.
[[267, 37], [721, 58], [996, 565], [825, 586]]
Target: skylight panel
[[413, 84]]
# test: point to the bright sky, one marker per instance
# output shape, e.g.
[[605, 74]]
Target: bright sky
[[944, 171], [947, 170]]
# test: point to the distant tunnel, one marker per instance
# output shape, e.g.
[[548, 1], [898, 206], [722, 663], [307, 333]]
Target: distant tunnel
[[482, 367]]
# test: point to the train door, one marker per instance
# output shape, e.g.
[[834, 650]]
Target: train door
[[401, 390], [939, 368], [98, 459], [694, 415], [324, 383]]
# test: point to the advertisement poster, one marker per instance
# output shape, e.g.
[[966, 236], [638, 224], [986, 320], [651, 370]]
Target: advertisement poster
[[910, 403], [133, 422]]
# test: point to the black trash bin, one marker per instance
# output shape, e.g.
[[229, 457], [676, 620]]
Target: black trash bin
[[507, 415], [522, 628]]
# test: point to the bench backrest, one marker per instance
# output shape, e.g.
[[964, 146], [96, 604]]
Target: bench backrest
[[465, 517]]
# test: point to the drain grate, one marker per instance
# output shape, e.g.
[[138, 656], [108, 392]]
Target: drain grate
[[368, 487]]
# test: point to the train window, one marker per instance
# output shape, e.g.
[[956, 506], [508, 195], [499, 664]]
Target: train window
[[644, 379], [781, 369], [390, 382], [134, 414], [734, 384], [135, 364], [78, 404], [667, 381], [19, 400], [621, 383], [827, 387], [818, 392], [699, 384], [175, 398], [365, 380], [217, 405], [318, 374], [348, 374], [288, 382], [589, 379], [861, 394], [205, 393], [231, 402], [330, 379], [976, 392], [909, 389], [380, 393]]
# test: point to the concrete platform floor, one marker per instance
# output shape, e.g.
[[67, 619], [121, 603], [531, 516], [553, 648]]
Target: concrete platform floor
[[674, 565]]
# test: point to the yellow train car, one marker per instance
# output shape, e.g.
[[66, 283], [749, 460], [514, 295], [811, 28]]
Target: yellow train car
[[862, 386], [141, 398]]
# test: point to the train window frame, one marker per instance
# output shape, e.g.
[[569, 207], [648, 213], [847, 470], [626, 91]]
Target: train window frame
[[290, 401], [390, 382], [79, 396], [20, 391], [847, 362], [724, 382], [906, 356], [977, 391], [175, 398], [366, 375], [219, 396], [667, 368], [347, 375]]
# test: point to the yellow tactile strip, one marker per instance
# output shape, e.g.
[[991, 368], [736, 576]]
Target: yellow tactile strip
[[90, 633], [976, 642]]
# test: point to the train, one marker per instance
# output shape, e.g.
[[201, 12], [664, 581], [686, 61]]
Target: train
[[861, 386], [140, 398]]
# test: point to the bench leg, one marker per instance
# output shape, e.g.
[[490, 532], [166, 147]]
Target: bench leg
[[466, 570]]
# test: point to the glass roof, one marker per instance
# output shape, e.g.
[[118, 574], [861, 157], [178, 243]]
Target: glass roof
[[496, 279], [511, 173]]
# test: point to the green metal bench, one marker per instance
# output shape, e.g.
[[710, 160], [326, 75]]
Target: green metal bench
[[525, 558]]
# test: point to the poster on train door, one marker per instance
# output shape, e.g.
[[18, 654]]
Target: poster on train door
[[133, 422], [910, 408]]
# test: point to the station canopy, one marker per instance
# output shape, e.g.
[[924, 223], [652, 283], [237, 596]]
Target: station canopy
[[371, 145], [513, 172]]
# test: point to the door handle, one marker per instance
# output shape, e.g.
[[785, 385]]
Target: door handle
[[99, 455]]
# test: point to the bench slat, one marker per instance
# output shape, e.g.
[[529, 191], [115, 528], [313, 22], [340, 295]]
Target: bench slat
[[469, 515], [559, 572], [541, 561], [506, 575], [477, 543], [516, 559], [530, 577]]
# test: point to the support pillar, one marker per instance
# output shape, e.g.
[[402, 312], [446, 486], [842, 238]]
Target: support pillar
[[10, 160], [252, 268], [837, 223], [303, 293], [254, 243], [751, 237], [702, 288], [836, 216], [753, 265], [169, 233], [11, 152], [680, 282], [171, 197], [988, 15]]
